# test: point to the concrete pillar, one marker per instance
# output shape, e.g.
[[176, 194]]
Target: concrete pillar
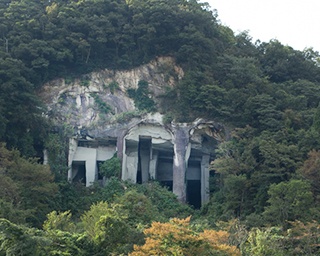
[[45, 157], [153, 164], [181, 147], [129, 162], [122, 147], [73, 144], [91, 166], [145, 155], [205, 161], [130, 166], [121, 144]]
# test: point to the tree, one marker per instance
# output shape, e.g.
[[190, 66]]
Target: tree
[[142, 98], [21, 114], [24, 241], [264, 242], [30, 183], [111, 168], [19, 240], [283, 63], [164, 200], [139, 208], [58, 221], [311, 171], [289, 201], [303, 238], [106, 226], [177, 238]]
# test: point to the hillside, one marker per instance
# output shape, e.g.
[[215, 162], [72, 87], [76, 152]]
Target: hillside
[[133, 81]]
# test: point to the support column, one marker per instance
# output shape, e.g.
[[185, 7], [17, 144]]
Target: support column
[[91, 166], [73, 144], [181, 147], [205, 161], [153, 164], [121, 144], [129, 162]]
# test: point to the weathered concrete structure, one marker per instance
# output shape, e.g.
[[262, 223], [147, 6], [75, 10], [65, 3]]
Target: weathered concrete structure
[[176, 154]]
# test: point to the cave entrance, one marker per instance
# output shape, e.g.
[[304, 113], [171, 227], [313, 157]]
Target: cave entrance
[[79, 171], [144, 155], [194, 183], [100, 175]]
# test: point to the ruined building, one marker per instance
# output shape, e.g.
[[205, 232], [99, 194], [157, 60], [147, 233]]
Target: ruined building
[[175, 154]]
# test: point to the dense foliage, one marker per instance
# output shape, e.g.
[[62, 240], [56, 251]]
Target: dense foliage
[[265, 178]]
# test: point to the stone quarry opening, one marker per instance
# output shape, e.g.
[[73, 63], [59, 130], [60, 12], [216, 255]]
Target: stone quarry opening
[[79, 171], [194, 183], [144, 155], [164, 173], [100, 175]]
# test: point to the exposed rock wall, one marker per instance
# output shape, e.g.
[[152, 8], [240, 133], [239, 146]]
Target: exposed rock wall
[[80, 102]]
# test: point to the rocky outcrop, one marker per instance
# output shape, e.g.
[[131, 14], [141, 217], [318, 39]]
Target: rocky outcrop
[[101, 98]]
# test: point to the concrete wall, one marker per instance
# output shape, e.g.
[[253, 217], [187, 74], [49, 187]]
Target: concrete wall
[[164, 170], [90, 156]]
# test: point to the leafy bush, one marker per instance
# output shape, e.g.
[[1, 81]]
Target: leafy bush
[[141, 97], [164, 200], [102, 106], [111, 168], [113, 86]]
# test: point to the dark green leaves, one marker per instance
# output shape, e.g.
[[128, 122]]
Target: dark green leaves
[[142, 97]]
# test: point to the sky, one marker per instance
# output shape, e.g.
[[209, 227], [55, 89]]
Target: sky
[[292, 22]]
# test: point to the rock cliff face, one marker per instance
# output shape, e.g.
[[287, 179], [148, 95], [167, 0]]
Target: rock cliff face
[[99, 108], [101, 97]]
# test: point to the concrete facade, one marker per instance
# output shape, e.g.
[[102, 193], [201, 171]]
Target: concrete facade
[[176, 156]]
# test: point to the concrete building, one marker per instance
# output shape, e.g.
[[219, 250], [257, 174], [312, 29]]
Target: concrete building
[[178, 156]]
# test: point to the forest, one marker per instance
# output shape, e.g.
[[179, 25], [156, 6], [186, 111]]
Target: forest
[[265, 181]]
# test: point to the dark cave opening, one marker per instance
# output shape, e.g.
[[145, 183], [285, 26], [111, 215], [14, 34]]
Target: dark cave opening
[[144, 153], [79, 168], [194, 182], [194, 193]]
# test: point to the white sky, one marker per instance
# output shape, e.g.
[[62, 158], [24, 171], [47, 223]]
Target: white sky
[[293, 22]]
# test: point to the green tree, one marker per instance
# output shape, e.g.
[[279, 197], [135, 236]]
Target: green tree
[[264, 242], [111, 168], [24, 241], [164, 200], [21, 114], [31, 185], [58, 221], [289, 201], [106, 225], [19, 240], [139, 208], [142, 97]]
